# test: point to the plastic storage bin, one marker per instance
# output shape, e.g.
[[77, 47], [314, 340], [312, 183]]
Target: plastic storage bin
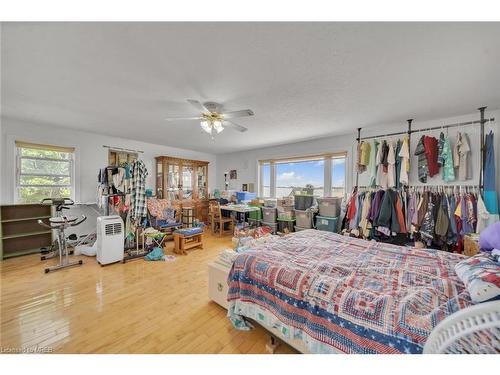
[[268, 215], [273, 226], [245, 196], [329, 206], [271, 203], [326, 223], [304, 219], [285, 225], [303, 202], [286, 212]]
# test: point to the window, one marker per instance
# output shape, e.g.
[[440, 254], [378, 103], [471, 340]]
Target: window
[[43, 171], [338, 176], [295, 175], [265, 178], [324, 174]]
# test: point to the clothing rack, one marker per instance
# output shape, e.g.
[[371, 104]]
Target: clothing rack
[[123, 149], [482, 120]]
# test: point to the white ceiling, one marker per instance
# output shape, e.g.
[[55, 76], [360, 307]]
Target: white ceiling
[[303, 80]]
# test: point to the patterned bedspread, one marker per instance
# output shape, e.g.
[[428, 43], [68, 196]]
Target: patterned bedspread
[[352, 295]]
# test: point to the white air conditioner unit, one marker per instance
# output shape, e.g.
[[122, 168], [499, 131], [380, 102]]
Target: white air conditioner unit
[[110, 239]]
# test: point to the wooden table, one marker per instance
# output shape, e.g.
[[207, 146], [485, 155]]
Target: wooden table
[[183, 242]]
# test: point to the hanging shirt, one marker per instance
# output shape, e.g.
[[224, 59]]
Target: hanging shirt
[[462, 151], [441, 141], [447, 160], [431, 153], [404, 154], [391, 166], [483, 216], [365, 155], [423, 168], [381, 179], [372, 165]]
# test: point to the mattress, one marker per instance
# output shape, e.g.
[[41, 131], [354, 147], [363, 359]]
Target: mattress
[[342, 294]]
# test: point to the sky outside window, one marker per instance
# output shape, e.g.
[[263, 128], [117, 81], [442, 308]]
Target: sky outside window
[[299, 174]]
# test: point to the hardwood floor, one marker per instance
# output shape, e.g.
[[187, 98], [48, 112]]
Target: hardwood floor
[[137, 307]]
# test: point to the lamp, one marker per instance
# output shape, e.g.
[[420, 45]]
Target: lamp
[[217, 126], [210, 125], [206, 126]]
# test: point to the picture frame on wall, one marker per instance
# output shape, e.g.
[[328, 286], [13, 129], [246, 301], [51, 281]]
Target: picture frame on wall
[[233, 175]]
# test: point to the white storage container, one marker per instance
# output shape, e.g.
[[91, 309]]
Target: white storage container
[[271, 202], [268, 215], [304, 219], [217, 283], [329, 206]]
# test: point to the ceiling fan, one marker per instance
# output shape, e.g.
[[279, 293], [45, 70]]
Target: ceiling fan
[[212, 119]]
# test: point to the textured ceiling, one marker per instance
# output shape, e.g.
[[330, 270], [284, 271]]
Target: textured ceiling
[[302, 80]]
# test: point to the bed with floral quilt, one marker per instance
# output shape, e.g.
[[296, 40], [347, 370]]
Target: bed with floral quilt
[[334, 293]]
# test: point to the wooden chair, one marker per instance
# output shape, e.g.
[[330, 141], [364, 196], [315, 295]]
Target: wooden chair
[[216, 218]]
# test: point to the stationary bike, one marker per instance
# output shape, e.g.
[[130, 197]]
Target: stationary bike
[[61, 223], [60, 204]]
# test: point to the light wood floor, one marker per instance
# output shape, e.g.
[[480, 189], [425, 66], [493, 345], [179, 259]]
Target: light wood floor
[[137, 307]]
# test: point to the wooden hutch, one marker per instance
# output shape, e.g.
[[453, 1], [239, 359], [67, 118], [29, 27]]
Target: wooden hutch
[[184, 182]]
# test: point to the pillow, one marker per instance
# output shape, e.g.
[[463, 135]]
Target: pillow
[[481, 276]]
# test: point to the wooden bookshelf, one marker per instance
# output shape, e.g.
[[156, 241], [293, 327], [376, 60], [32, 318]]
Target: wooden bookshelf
[[20, 233]]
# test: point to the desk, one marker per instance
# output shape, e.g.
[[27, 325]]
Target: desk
[[240, 211]]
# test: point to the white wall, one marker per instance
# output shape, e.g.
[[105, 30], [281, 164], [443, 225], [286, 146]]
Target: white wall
[[90, 155], [246, 162]]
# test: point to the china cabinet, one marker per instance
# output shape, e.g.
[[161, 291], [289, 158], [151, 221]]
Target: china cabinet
[[184, 182]]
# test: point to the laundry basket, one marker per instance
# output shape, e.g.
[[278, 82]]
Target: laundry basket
[[473, 330]]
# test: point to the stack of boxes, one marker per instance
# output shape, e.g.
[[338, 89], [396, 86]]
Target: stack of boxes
[[269, 214], [286, 215], [303, 211], [329, 211]]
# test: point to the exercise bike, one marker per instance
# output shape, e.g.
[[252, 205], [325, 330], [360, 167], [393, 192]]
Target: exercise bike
[[60, 223], [60, 204]]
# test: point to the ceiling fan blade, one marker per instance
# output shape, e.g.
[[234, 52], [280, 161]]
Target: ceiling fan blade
[[184, 118], [199, 106], [232, 125], [234, 114]]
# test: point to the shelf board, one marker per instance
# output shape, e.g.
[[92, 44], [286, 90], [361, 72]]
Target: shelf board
[[26, 234], [19, 253], [25, 219]]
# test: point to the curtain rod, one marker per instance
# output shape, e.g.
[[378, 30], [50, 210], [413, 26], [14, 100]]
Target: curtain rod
[[428, 129], [123, 149]]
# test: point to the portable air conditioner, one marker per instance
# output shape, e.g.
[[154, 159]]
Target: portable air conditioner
[[110, 239]]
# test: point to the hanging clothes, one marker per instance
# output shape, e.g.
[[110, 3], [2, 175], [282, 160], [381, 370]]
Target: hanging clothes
[[404, 154], [490, 193], [391, 165], [423, 168], [382, 163], [461, 155], [431, 153], [138, 198], [446, 157], [372, 165]]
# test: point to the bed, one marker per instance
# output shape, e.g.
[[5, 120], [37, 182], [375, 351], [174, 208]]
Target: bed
[[327, 293]]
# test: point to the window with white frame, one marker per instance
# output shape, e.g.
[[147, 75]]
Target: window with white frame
[[43, 171], [325, 174]]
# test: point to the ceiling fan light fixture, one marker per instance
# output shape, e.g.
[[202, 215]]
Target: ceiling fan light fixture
[[206, 126], [218, 126]]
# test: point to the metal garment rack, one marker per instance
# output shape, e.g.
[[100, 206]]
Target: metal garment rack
[[482, 120]]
